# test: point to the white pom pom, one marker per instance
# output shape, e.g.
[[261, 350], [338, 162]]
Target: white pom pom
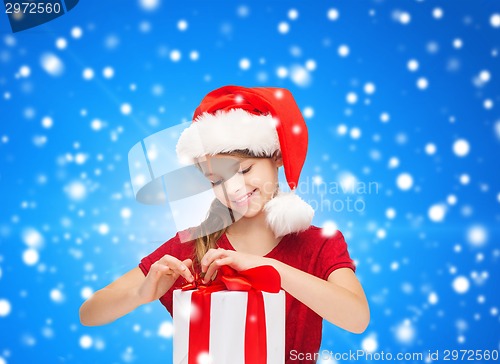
[[288, 213]]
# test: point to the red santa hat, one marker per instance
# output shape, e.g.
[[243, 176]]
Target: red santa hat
[[262, 120]]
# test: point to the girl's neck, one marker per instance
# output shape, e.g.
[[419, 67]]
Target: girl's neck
[[252, 235], [249, 225]]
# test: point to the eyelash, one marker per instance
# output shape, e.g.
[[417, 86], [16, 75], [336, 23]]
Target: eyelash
[[216, 183], [246, 170]]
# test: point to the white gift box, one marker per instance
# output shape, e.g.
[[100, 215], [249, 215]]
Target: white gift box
[[227, 327]]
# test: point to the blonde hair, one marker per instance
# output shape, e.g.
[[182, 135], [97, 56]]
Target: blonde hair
[[217, 220]]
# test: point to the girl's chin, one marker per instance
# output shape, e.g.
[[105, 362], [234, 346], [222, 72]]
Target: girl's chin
[[254, 209], [250, 210]]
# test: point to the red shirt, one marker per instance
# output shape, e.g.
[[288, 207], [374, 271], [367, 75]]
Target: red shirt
[[308, 251]]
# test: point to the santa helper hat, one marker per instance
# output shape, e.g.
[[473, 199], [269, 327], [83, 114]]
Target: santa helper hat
[[262, 120]]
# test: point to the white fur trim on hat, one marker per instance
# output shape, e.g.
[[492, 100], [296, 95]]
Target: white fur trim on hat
[[226, 131], [288, 213]]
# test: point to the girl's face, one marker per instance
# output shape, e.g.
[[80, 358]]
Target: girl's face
[[243, 184]]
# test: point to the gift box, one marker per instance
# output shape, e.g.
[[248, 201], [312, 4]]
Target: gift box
[[236, 320]]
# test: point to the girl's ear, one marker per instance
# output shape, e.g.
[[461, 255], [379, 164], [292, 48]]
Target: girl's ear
[[278, 159]]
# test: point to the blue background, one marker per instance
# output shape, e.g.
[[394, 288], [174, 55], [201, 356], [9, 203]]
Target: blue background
[[69, 224]]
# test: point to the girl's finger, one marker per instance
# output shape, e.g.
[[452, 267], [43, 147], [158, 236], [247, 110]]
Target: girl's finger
[[183, 271], [208, 258], [214, 268], [158, 269], [172, 262], [188, 263], [224, 261], [158, 265], [165, 270], [207, 264], [210, 272], [178, 267]]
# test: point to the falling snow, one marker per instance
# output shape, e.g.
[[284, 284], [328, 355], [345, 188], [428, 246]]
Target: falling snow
[[405, 332], [343, 50], [175, 55], [283, 27], [422, 83], [149, 5], [461, 284], [108, 72], [76, 32], [5, 307], [404, 181], [437, 212], [430, 148], [244, 64], [384, 117], [52, 64], [61, 43], [30, 257], [166, 329], [182, 25], [461, 147], [125, 108], [477, 235], [85, 341], [333, 14], [416, 114], [329, 228]]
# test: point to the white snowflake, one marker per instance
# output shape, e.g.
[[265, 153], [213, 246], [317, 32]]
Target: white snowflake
[[149, 5], [461, 284], [283, 27], [461, 147], [245, 64], [404, 181], [85, 341], [5, 307], [332, 14], [76, 32], [343, 50], [175, 55], [52, 64], [182, 25], [437, 212]]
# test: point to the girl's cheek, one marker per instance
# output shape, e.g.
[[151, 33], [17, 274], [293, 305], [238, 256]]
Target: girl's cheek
[[254, 181], [267, 187]]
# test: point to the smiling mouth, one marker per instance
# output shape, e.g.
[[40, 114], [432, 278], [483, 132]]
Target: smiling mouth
[[244, 198]]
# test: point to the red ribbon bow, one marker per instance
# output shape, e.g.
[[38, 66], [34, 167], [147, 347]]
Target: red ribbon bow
[[254, 281]]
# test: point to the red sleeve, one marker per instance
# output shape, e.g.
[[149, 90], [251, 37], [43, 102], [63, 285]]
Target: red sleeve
[[175, 248], [334, 255], [165, 248]]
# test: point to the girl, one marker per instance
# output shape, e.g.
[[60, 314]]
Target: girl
[[259, 130]]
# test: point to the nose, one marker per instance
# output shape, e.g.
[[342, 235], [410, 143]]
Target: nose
[[234, 186]]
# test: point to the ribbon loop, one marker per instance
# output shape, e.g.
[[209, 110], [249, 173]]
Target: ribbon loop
[[264, 278], [254, 281]]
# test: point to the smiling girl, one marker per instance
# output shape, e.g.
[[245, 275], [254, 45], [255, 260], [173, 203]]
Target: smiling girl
[[255, 131]]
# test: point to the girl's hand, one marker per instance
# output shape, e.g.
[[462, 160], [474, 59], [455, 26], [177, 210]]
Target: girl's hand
[[216, 258], [162, 275]]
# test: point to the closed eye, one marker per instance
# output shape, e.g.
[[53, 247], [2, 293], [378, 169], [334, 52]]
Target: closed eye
[[245, 170], [218, 182]]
